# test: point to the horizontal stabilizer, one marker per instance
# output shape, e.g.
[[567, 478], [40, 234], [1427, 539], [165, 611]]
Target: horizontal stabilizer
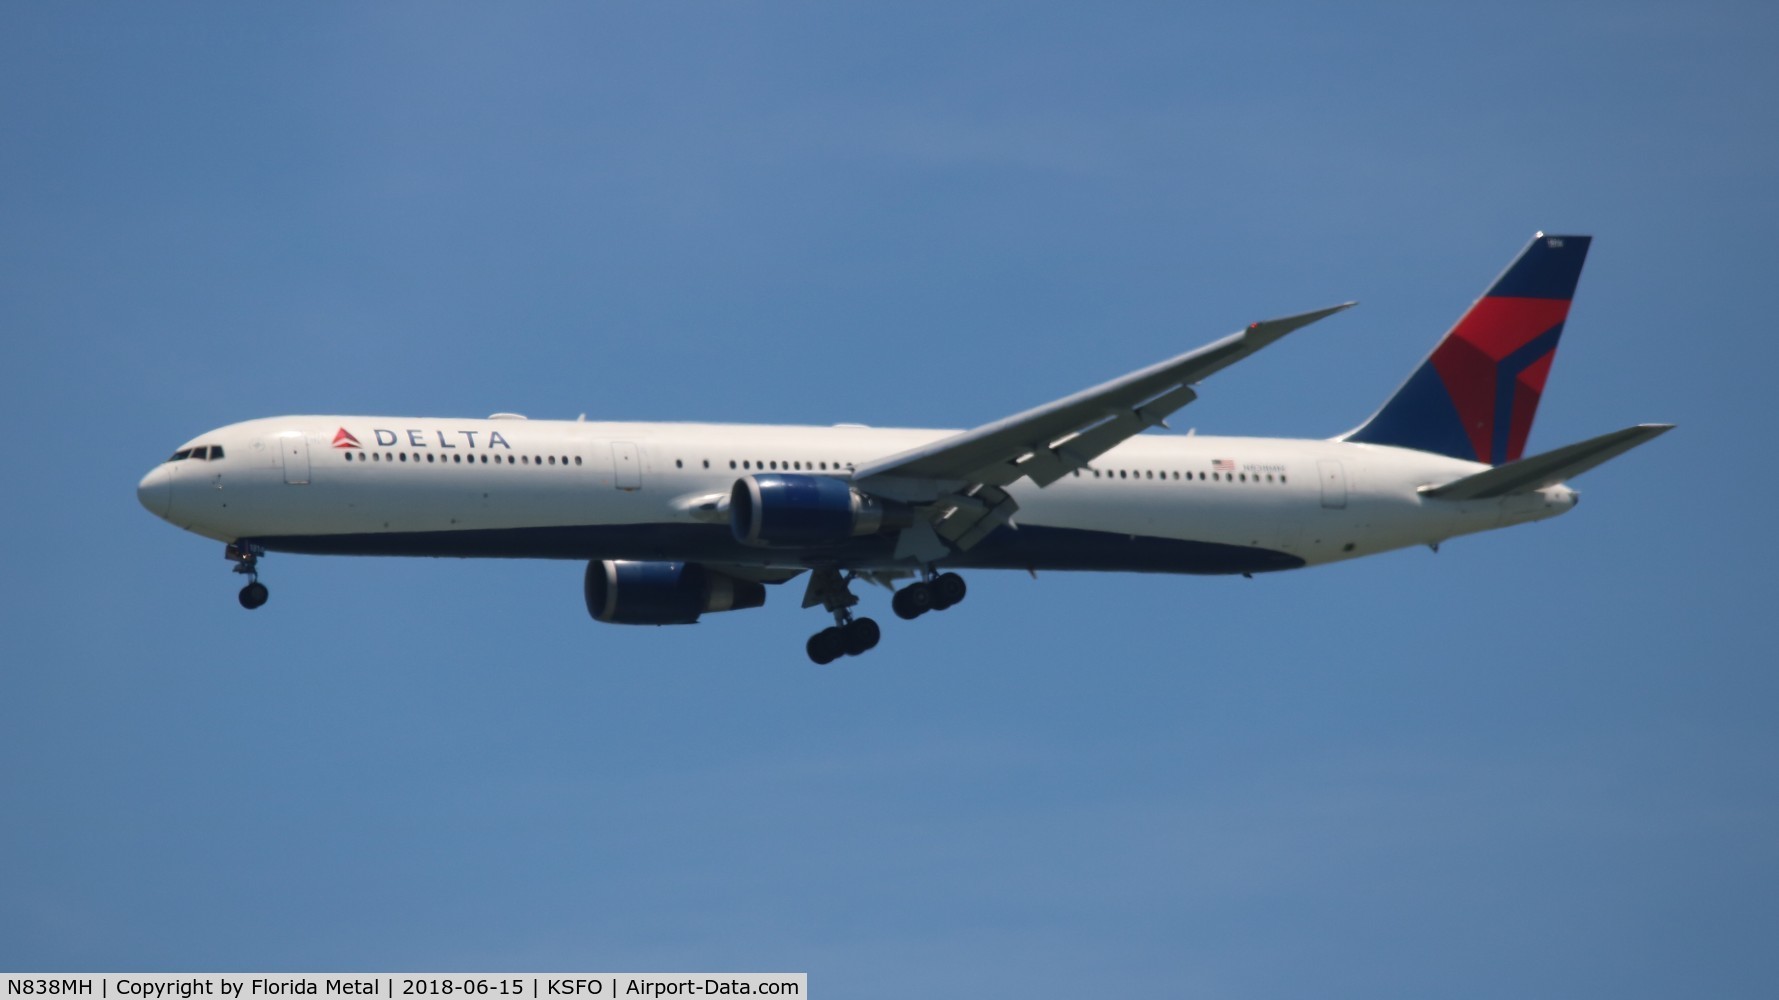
[[1548, 469]]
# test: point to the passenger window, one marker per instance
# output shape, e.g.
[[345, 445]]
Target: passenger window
[[577, 461]]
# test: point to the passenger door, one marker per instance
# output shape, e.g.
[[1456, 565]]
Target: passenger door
[[293, 447], [626, 466]]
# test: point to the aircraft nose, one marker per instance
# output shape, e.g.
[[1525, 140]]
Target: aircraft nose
[[155, 491]]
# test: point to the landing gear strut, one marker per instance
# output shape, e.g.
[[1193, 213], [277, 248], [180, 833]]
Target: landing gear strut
[[848, 636], [245, 556], [933, 594]]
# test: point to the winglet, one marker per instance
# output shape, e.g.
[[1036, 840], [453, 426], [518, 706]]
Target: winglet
[[1547, 469], [1260, 334]]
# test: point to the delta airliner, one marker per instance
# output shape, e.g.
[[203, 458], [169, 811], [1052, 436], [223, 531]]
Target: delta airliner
[[677, 520]]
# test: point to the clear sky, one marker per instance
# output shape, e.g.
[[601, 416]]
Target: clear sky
[[1539, 763]]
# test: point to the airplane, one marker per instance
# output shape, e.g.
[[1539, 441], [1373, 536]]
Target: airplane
[[679, 520]]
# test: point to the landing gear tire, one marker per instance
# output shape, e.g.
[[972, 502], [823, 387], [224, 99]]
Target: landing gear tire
[[860, 635], [912, 601], [948, 589], [857, 636], [253, 595], [826, 646]]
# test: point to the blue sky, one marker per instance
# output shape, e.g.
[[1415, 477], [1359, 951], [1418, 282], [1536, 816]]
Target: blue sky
[[1539, 763]]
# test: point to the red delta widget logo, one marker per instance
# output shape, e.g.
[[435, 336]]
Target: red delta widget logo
[[386, 438]]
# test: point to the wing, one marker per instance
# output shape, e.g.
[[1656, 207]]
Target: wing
[[963, 475]]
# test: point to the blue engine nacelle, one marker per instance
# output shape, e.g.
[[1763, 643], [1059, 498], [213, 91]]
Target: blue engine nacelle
[[664, 593], [779, 509]]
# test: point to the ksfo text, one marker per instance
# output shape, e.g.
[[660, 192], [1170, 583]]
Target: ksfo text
[[677, 987]]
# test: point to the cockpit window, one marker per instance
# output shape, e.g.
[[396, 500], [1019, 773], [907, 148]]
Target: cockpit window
[[202, 453]]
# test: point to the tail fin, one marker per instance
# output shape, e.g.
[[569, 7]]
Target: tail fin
[[1475, 395]]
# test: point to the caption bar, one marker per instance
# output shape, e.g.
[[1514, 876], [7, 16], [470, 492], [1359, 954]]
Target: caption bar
[[406, 986]]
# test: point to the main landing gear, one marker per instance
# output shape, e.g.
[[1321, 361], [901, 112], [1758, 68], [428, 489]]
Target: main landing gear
[[245, 556], [851, 636], [848, 636], [934, 594]]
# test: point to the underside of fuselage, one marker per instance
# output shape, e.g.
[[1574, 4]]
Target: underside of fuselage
[[1029, 547]]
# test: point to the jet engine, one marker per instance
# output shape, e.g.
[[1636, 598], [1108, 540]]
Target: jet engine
[[664, 593], [779, 509]]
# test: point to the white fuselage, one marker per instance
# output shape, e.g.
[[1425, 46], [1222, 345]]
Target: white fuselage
[[587, 490]]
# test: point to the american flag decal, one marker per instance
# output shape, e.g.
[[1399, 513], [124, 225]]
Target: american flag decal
[[1223, 465]]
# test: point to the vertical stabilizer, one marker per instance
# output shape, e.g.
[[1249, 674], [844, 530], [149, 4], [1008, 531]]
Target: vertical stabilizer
[[1475, 395]]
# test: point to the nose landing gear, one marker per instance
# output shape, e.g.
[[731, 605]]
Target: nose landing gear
[[245, 556]]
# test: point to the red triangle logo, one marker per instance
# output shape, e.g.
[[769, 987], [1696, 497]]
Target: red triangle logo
[[344, 439]]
